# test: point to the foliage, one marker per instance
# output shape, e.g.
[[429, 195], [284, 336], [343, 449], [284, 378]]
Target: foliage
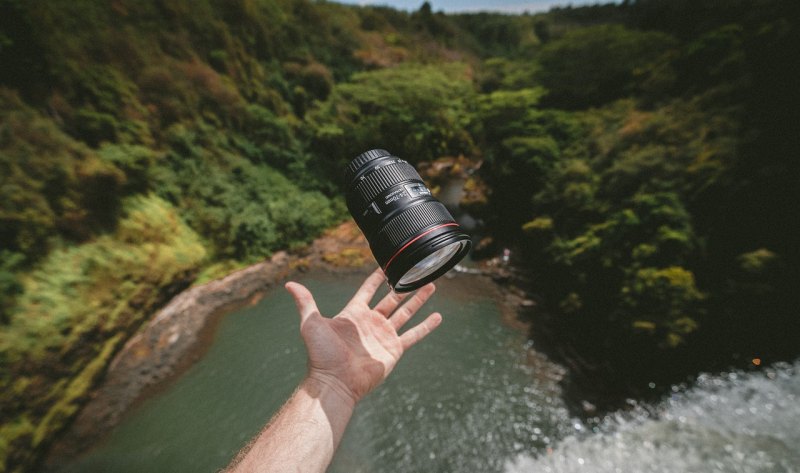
[[77, 308], [9, 284], [639, 159], [499, 73], [669, 293], [522, 145], [592, 66], [651, 222], [498, 35], [422, 111], [246, 211], [50, 184]]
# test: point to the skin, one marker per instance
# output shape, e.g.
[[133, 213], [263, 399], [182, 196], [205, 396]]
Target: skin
[[349, 355]]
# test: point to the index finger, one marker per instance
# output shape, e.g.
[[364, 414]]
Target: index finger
[[368, 288]]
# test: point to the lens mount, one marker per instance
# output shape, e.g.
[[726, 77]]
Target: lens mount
[[411, 234]]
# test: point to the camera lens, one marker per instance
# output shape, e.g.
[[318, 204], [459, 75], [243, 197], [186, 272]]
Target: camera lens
[[411, 234]]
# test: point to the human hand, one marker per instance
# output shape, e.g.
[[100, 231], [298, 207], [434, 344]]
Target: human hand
[[356, 350]]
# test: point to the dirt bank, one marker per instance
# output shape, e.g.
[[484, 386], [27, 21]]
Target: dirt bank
[[178, 334]]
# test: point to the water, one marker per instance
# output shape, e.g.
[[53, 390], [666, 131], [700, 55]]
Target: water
[[464, 400], [727, 423]]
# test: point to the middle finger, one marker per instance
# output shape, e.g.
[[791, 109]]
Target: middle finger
[[389, 303], [404, 313]]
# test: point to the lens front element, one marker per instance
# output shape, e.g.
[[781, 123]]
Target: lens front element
[[412, 235], [431, 263]]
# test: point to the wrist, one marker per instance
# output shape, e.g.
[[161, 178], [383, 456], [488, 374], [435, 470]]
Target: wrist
[[328, 387]]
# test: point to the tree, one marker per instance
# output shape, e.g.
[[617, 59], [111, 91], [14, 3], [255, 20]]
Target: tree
[[592, 66], [418, 112]]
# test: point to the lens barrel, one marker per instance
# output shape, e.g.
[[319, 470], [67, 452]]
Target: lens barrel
[[411, 234]]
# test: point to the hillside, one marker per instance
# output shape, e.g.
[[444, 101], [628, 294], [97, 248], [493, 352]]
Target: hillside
[[641, 162]]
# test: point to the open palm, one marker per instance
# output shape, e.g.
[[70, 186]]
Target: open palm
[[356, 350]]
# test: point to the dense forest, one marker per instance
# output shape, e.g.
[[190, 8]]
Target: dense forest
[[640, 158]]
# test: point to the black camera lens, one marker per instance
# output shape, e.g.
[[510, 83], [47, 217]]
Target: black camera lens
[[411, 234]]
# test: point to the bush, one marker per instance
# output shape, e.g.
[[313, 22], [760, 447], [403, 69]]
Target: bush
[[595, 65], [666, 298], [77, 308], [51, 184], [419, 112], [245, 210], [9, 283]]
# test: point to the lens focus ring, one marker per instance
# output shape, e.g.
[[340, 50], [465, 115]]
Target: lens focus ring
[[408, 223], [381, 179], [363, 159]]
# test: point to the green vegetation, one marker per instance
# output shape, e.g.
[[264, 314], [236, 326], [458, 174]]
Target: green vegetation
[[423, 110], [76, 309], [643, 169], [639, 158]]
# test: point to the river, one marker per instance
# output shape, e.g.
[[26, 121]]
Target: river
[[473, 397], [731, 422]]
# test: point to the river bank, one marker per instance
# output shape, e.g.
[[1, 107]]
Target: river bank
[[470, 395], [180, 333], [468, 400]]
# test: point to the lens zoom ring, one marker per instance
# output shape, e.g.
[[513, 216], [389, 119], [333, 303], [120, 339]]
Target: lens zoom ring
[[361, 160], [382, 178], [408, 223]]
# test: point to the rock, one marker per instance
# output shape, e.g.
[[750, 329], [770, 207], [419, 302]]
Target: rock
[[280, 258], [500, 275], [169, 341]]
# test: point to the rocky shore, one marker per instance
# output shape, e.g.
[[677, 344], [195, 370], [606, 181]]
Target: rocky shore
[[179, 334]]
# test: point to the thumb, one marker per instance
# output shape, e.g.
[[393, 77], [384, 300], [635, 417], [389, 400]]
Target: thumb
[[306, 305]]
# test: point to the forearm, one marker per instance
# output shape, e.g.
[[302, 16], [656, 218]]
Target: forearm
[[349, 355], [303, 436]]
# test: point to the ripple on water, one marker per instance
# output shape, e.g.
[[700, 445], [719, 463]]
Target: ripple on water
[[473, 408], [732, 422], [465, 400]]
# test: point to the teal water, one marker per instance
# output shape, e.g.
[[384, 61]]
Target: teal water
[[465, 399]]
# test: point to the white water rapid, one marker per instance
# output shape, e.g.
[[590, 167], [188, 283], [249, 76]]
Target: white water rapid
[[733, 422]]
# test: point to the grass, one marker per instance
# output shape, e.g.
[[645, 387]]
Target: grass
[[76, 309]]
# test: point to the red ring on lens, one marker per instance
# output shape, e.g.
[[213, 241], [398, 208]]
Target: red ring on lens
[[451, 224]]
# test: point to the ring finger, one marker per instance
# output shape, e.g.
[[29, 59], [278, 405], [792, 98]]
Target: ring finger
[[389, 303], [404, 313]]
